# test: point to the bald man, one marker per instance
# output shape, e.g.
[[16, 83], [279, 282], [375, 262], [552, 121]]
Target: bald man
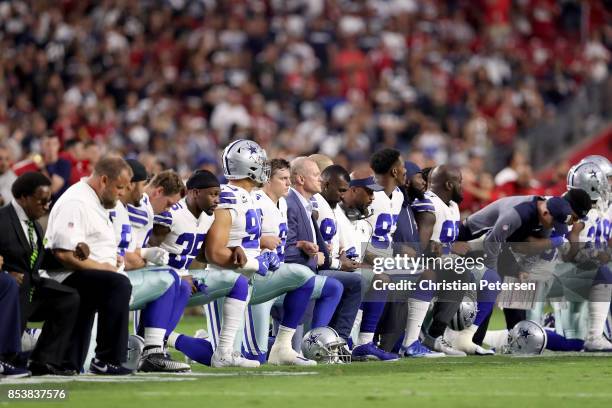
[[438, 219]]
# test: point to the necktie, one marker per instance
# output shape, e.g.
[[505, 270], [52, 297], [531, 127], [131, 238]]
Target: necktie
[[34, 254]]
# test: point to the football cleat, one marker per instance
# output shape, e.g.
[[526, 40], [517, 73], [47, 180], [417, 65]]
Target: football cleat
[[597, 344], [156, 360], [99, 367], [418, 350], [231, 359], [288, 356], [369, 351], [441, 345], [9, 371], [481, 351]]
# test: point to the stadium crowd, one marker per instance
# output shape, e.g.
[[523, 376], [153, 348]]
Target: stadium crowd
[[221, 87], [173, 81]]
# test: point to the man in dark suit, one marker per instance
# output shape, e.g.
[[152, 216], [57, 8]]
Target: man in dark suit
[[41, 299], [10, 326], [306, 246]]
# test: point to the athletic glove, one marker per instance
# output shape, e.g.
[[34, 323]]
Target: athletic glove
[[264, 263], [155, 255], [273, 261]]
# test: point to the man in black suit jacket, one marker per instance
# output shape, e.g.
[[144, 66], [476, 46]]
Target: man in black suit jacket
[[41, 299]]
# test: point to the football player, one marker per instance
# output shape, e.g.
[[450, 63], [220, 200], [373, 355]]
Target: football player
[[589, 273], [327, 291], [154, 289], [163, 191], [509, 220], [181, 231], [437, 217], [336, 182], [238, 222]]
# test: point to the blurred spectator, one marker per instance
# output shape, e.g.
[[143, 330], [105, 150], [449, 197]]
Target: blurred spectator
[[7, 176], [510, 172], [179, 79], [477, 184], [58, 170], [523, 184]]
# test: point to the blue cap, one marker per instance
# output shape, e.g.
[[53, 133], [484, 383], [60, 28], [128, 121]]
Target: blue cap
[[368, 182], [561, 211], [411, 168]]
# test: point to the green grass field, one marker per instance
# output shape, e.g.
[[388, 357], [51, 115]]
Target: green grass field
[[545, 381]]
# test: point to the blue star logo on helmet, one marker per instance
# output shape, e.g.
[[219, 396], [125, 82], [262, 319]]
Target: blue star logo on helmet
[[312, 339], [524, 333], [252, 149]]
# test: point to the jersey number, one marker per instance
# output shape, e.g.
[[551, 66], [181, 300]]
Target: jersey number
[[191, 245], [253, 229]]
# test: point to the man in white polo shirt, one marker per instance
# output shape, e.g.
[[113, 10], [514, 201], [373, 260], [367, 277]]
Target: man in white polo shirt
[[81, 215]]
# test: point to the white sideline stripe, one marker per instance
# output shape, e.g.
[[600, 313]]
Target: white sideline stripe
[[411, 393], [142, 377]]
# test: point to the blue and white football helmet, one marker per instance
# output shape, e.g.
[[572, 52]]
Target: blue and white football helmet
[[466, 314], [245, 159], [589, 177], [526, 337], [603, 163], [324, 345]]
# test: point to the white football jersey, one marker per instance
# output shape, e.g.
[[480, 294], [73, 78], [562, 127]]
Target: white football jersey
[[385, 212], [273, 219], [352, 234], [327, 224], [120, 218], [246, 218], [448, 219], [187, 233], [596, 231], [141, 219]]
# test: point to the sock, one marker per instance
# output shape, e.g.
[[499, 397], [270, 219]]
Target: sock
[[284, 336], [158, 313], [326, 304], [496, 338], [181, 297], [417, 309], [598, 309], [371, 315], [295, 304], [556, 342], [486, 297], [365, 338], [233, 313], [172, 338], [199, 350], [240, 290], [154, 337]]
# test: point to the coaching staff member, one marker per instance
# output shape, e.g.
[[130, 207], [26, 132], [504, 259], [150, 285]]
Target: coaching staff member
[[81, 215]]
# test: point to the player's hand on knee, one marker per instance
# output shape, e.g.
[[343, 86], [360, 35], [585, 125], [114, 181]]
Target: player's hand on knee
[[155, 255], [264, 263], [273, 261]]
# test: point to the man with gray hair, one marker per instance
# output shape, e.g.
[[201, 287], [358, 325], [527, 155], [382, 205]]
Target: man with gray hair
[[306, 246]]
